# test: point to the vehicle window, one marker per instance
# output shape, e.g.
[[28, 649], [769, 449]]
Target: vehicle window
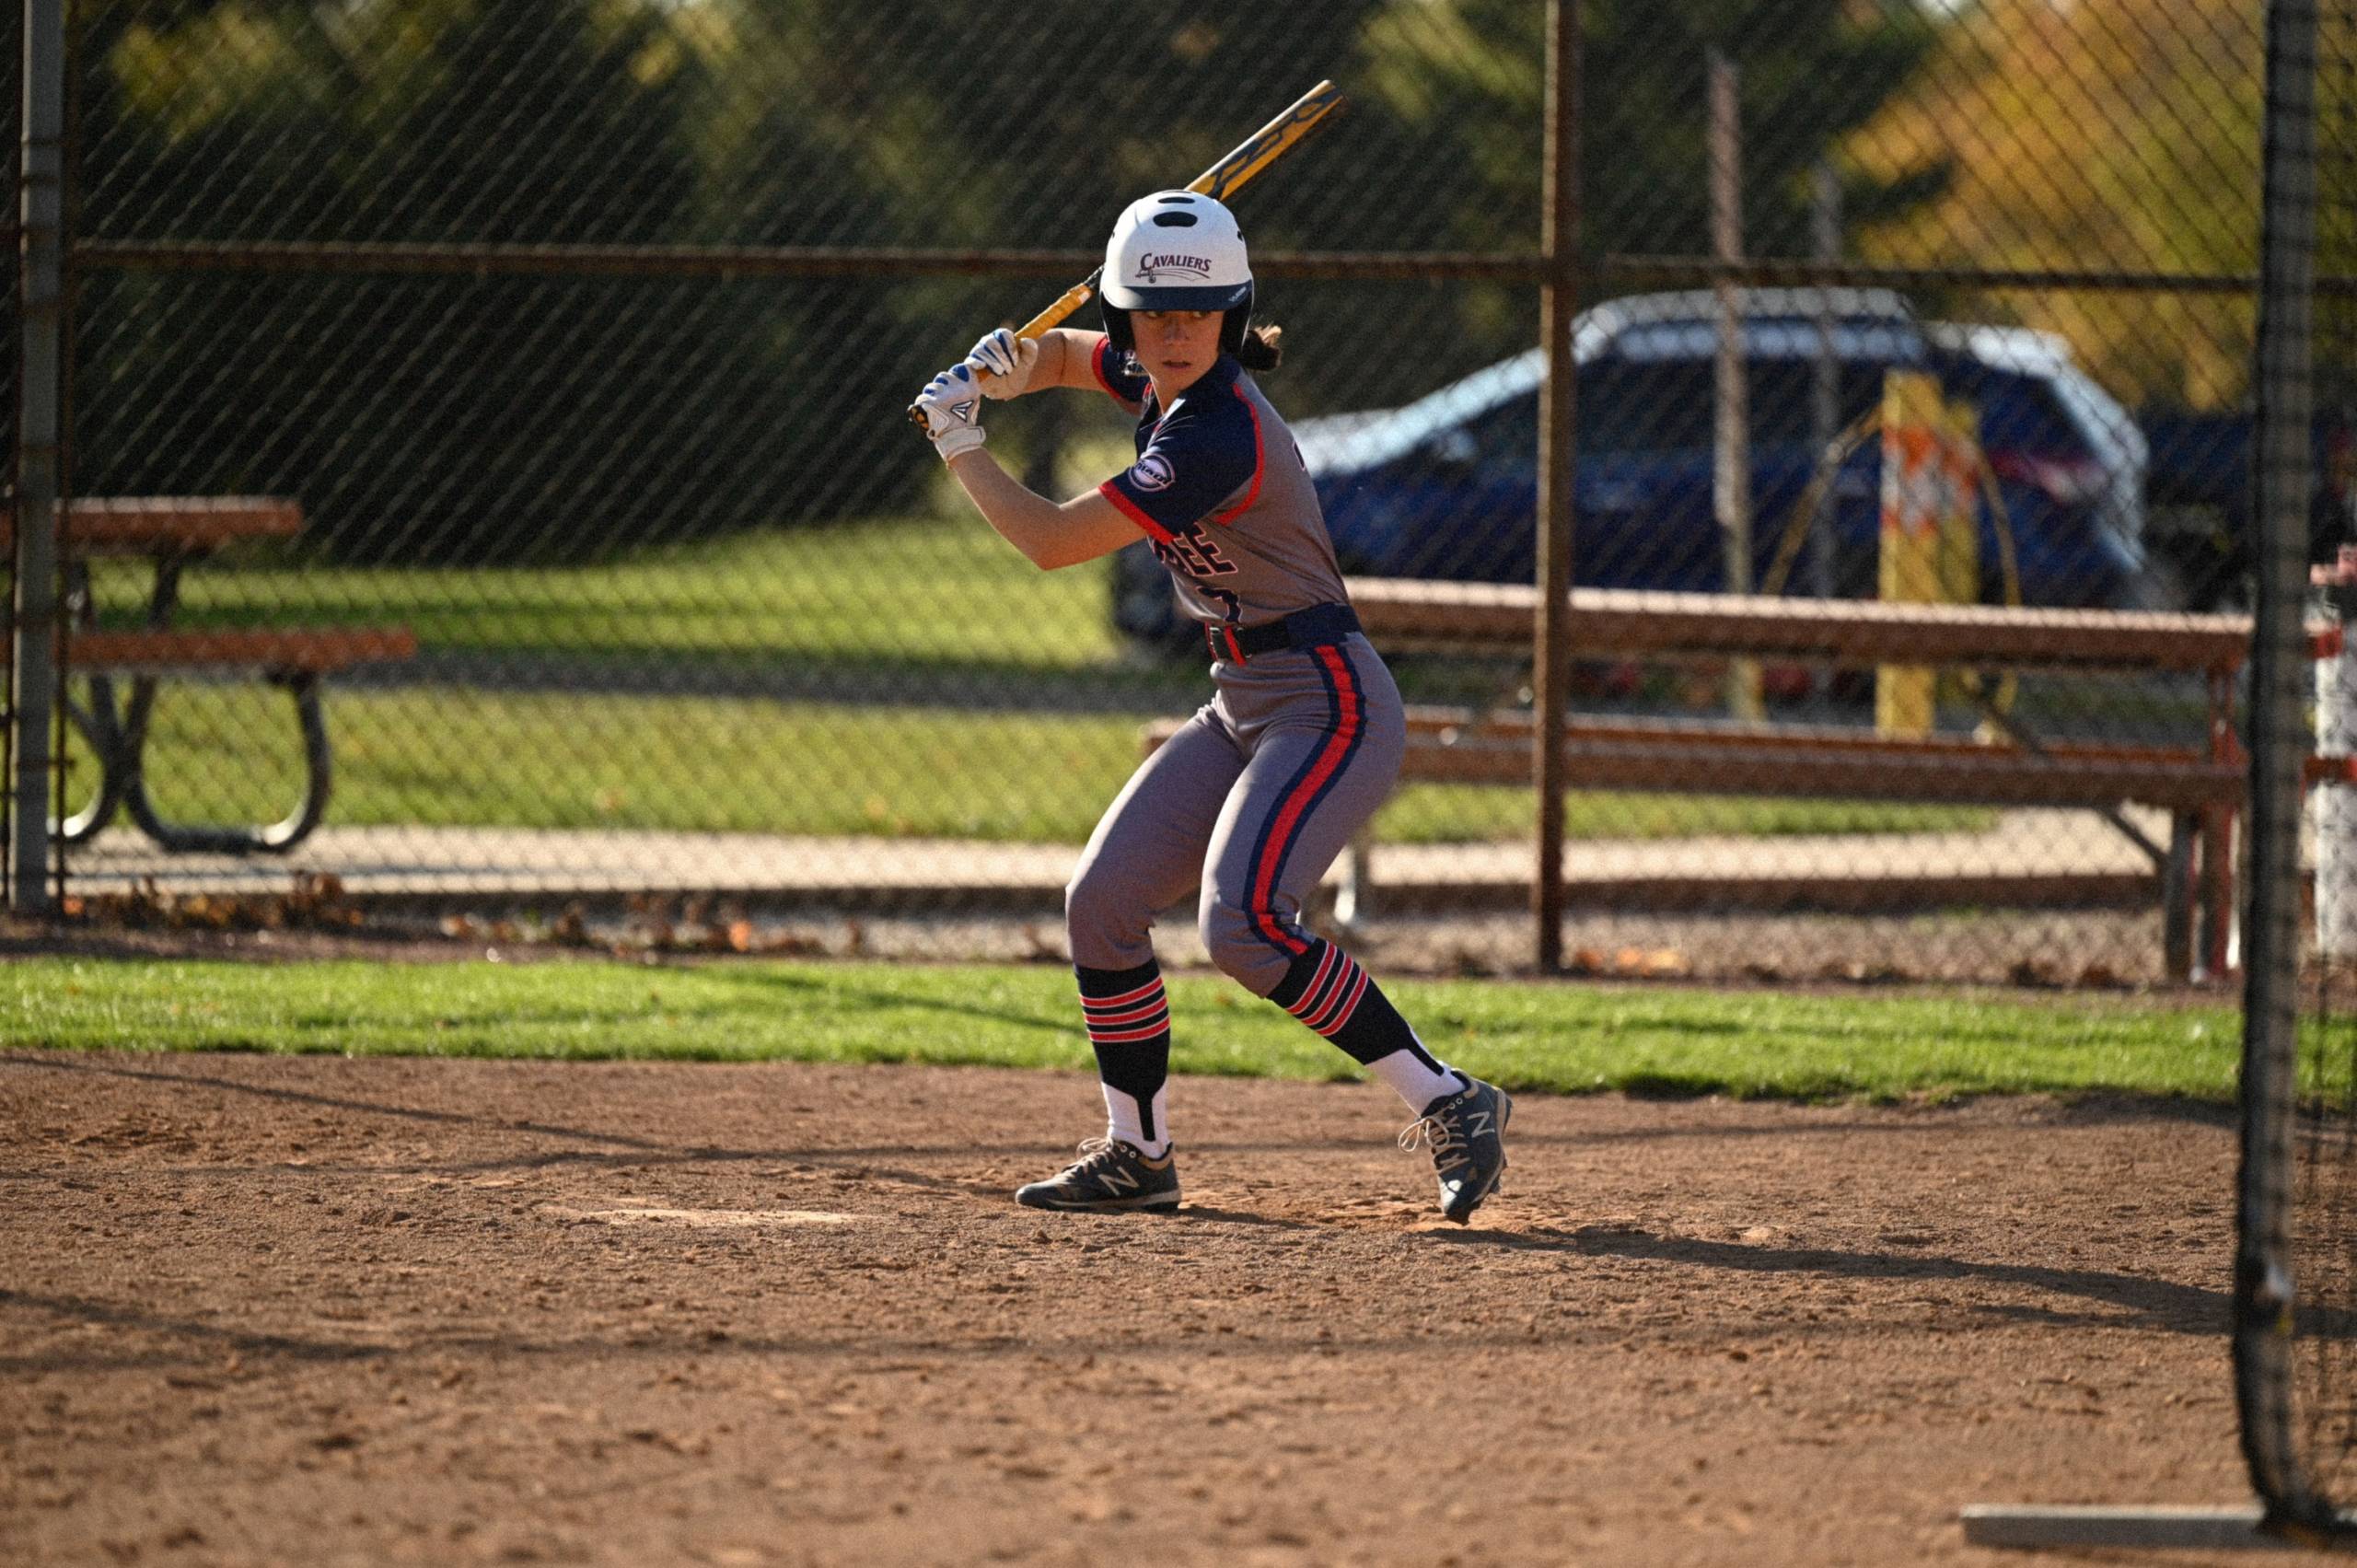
[[2018, 412], [1784, 399], [1508, 433], [1667, 405], [1649, 406], [1861, 387]]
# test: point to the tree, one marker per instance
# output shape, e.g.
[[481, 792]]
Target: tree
[[1458, 86], [428, 418], [2121, 136], [462, 418]]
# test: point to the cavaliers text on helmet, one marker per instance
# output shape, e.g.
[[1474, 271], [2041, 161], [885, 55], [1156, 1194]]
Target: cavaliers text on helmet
[[1175, 250]]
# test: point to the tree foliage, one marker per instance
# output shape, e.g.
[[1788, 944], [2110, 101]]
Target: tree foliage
[[421, 417], [2122, 136], [440, 417], [1459, 82]]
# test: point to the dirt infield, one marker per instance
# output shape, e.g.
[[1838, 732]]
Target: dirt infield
[[317, 1311]]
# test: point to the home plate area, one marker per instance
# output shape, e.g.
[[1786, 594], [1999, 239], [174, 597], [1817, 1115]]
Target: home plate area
[[330, 1310]]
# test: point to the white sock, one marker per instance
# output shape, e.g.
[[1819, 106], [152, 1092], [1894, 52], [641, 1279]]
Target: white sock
[[1417, 1078], [1125, 1121]]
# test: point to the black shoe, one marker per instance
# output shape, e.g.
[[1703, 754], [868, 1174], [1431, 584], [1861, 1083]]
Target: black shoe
[[1467, 1131], [1110, 1175]]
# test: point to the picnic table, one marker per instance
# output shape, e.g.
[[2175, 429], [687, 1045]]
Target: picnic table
[[112, 677]]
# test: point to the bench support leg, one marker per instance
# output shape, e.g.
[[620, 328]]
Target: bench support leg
[[99, 719], [2217, 891], [277, 837], [2177, 897], [1352, 901], [95, 716]]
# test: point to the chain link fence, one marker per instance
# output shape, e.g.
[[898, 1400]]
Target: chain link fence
[[582, 334]]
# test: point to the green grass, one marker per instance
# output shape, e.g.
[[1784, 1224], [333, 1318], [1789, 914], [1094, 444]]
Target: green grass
[[909, 605], [448, 756], [892, 592], [1551, 1037]]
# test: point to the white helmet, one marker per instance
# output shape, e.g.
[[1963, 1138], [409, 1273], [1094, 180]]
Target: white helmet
[[1175, 250]]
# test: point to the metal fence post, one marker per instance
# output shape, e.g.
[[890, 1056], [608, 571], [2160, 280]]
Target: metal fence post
[[1731, 400], [1557, 301], [41, 217], [2264, 1286]]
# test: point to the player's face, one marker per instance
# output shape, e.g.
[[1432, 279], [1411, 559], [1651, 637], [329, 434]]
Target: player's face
[[1177, 346]]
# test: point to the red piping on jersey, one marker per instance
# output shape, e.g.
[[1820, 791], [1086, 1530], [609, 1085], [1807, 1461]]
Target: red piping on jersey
[[1131, 510], [1258, 462], [1289, 814]]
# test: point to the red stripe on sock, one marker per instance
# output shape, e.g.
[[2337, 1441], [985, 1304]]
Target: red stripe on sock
[[1128, 1037], [1345, 1004], [1317, 986], [1331, 996], [1127, 1015], [1151, 988]]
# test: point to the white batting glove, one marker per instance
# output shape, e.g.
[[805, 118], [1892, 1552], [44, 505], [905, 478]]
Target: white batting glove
[[952, 406], [1003, 363]]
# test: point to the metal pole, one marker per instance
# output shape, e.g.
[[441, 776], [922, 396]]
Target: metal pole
[[2265, 1289], [1731, 415], [41, 217], [1557, 460], [1825, 389]]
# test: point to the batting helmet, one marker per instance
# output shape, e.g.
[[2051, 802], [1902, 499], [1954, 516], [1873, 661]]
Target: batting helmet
[[1175, 250]]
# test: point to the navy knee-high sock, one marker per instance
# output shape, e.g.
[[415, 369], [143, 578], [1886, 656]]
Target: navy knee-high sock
[[1129, 1025], [1328, 991]]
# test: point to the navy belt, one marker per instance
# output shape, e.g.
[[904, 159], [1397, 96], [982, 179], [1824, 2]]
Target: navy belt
[[1320, 625]]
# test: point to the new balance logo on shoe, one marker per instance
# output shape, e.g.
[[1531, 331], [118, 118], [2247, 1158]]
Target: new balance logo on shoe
[[1466, 1132], [1110, 1175]]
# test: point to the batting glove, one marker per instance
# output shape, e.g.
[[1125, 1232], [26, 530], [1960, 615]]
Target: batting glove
[[952, 406], [1003, 363]]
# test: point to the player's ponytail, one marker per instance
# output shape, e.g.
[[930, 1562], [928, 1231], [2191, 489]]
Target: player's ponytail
[[1260, 349]]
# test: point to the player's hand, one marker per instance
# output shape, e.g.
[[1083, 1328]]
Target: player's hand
[[1003, 363], [950, 408]]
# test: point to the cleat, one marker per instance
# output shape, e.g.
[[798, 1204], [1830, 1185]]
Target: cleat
[[1110, 1175], [1466, 1131]]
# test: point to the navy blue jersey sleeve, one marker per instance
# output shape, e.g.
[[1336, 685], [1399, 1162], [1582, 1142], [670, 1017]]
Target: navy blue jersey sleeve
[[1120, 375], [1200, 458]]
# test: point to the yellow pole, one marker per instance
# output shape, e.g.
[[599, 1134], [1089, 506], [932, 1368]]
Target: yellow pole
[[1909, 562]]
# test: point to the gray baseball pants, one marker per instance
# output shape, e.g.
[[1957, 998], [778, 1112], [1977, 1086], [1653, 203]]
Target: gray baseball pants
[[1244, 807]]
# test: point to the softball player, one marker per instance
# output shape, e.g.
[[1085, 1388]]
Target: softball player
[[1253, 799]]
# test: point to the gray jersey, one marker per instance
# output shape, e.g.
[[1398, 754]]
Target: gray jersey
[[1220, 489]]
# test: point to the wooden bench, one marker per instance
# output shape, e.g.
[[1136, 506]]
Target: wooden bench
[[2200, 783], [174, 533]]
